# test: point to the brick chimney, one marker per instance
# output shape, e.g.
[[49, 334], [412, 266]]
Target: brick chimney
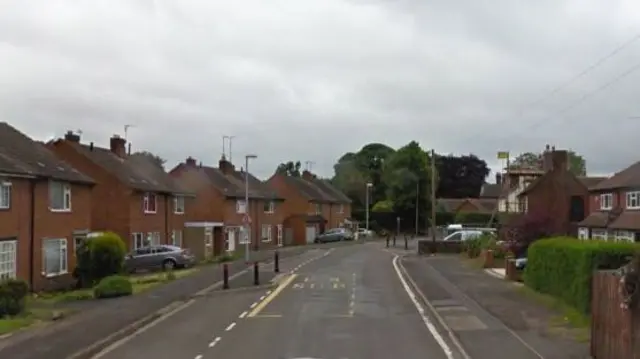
[[498, 178], [72, 137], [225, 166], [560, 160], [191, 162], [118, 146], [547, 159], [306, 175]]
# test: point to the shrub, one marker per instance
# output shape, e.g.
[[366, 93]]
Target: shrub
[[474, 246], [521, 232], [99, 257], [112, 287], [564, 266], [13, 294]]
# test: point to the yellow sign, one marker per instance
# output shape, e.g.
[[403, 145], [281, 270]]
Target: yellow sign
[[503, 155]]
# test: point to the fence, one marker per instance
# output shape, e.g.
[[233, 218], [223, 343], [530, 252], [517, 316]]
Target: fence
[[615, 332]]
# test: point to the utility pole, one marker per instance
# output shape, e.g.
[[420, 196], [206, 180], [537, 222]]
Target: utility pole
[[224, 143], [417, 204], [126, 131], [230, 140], [308, 165], [433, 195]]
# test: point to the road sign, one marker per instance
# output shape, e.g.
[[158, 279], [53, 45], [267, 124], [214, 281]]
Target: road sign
[[246, 219], [503, 155]]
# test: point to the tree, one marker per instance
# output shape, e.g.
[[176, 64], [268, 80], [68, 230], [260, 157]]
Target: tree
[[577, 163], [155, 159], [460, 176], [350, 180], [407, 177], [289, 168]]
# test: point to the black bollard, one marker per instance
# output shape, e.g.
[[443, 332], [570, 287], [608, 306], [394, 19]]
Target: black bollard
[[256, 273], [387, 241], [225, 276], [276, 262], [394, 241], [406, 243]]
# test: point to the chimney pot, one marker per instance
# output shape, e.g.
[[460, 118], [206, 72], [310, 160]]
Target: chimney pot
[[118, 146], [306, 175], [498, 178], [72, 137], [225, 166], [190, 161]]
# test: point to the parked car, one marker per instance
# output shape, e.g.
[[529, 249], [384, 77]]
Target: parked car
[[158, 257], [334, 235], [363, 232], [463, 235]]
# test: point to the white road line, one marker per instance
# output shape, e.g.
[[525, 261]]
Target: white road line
[[230, 326], [253, 305], [425, 319], [198, 356], [214, 342], [261, 298], [244, 314], [268, 292]]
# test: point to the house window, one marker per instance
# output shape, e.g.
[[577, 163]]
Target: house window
[[269, 207], [54, 257], [138, 240], [5, 195], [341, 209], [8, 258], [583, 233], [149, 202], [599, 234], [241, 206], [625, 236], [633, 200], [178, 205], [176, 238], [59, 196], [606, 201], [266, 233], [153, 238], [318, 208]]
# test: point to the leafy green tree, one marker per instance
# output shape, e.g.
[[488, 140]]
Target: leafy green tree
[[383, 206], [350, 180], [289, 168], [407, 176], [155, 159], [577, 163]]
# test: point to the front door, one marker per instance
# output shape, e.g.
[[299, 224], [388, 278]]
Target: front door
[[279, 235], [208, 242], [231, 240], [311, 234]]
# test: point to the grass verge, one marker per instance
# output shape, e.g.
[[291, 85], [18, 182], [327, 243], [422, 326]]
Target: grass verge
[[30, 317]]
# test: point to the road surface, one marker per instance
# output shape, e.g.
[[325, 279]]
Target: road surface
[[346, 304]]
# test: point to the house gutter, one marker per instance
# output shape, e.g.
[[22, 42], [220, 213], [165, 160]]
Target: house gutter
[[32, 233]]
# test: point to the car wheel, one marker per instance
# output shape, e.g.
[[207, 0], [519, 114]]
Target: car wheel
[[168, 264]]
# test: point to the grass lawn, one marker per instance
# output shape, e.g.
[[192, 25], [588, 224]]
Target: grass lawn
[[31, 317], [140, 284]]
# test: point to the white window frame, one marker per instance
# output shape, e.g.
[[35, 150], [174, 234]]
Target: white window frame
[[77, 242], [154, 238], [599, 234], [267, 233], [5, 195], [341, 209], [633, 200], [63, 260], [146, 203], [8, 259], [176, 238], [66, 196], [178, 204], [138, 240], [606, 201], [625, 236], [583, 233], [271, 207], [241, 206]]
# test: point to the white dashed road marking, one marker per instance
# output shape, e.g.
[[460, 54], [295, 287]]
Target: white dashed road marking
[[244, 314], [230, 326]]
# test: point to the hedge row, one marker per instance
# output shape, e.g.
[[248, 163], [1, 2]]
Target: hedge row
[[563, 266], [13, 296]]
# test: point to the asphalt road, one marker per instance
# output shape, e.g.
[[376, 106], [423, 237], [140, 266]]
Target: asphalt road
[[345, 304]]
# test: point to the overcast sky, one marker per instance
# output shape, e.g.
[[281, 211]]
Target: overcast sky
[[310, 80]]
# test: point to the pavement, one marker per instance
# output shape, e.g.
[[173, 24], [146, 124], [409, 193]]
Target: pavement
[[345, 304], [100, 322]]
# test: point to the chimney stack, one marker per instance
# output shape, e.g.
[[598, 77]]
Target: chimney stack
[[72, 137], [547, 159], [191, 162], [225, 166], [308, 176], [118, 146], [560, 160]]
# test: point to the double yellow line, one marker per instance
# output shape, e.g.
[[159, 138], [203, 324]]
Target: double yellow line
[[260, 307]]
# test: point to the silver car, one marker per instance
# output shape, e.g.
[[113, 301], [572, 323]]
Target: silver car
[[165, 257]]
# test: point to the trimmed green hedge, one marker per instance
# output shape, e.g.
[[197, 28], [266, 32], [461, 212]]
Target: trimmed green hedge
[[13, 295], [563, 266], [112, 287]]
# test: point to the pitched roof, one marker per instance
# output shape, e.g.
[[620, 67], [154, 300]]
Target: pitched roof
[[331, 190], [20, 155], [591, 181], [233, 183], [491, 190], [310, 189], [450, 204], [134, 171], [629, 177]]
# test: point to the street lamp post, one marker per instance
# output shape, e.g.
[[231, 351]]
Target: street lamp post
[[366, 199], [247, 226]]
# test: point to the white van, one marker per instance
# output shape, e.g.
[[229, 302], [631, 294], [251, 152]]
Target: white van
[[463, 235]]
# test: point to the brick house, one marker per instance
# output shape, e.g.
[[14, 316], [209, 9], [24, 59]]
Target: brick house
[[311, 206], [132, 197], [558, 193], [614, 207], [44, 205], [220, 206]]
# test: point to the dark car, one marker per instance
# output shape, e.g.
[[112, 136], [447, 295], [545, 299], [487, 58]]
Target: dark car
[[334, 235]]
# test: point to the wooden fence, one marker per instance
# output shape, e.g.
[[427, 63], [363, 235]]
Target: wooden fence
[[615, 332]]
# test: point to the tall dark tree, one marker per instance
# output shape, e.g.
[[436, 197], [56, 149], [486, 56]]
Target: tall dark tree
[[460, 176], [289, 168], [407, 176], [350, 180], [157, 160]]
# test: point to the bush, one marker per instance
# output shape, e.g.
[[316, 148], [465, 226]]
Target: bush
[[521, 232], [13, 294], [474, 246], [99, 257], [112, 287], [563, 266]]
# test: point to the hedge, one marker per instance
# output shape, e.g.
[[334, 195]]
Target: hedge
[[563, 266], [13, 294], [112, 287]]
